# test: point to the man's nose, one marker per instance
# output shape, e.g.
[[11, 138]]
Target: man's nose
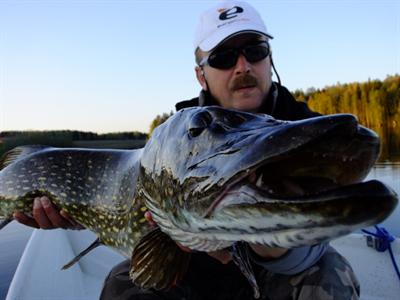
[[242, 65]]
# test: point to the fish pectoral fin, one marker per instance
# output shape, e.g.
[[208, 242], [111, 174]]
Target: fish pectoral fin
[[17, 153], [93, 245], [240, 257], [157, 262]]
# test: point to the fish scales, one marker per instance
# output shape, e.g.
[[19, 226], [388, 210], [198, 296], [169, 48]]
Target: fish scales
[[94, 187], [211, 177]]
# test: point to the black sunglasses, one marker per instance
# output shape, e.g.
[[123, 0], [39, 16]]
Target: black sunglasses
[[226, 59]]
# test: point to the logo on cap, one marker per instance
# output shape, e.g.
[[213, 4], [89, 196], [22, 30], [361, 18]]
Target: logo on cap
[[230, 13]]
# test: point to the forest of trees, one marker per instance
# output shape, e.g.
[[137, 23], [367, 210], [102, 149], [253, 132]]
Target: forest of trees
[[375, 103], [71, 138], [159, 119], [74, 135]]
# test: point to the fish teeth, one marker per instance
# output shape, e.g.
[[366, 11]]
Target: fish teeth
[[259, 182]]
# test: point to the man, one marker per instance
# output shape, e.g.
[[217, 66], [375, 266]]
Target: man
[[234, 70]]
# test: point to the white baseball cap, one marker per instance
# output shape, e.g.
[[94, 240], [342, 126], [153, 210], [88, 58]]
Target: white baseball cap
[[227, 19]]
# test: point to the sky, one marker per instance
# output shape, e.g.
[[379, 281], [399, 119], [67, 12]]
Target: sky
[[109, 66]]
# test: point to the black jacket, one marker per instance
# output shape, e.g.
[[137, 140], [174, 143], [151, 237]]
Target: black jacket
[[279, 103]]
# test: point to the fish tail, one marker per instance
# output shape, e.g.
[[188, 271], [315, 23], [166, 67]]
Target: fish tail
[[4, 222]]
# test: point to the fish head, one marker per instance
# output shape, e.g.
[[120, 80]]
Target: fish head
[[214, 174]]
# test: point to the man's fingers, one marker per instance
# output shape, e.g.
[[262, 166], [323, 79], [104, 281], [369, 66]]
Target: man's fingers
[[40, 215], [183, 248], [46, 216], [222, 255], [267, 252], [24, 219], [149, 218], [52, 215]]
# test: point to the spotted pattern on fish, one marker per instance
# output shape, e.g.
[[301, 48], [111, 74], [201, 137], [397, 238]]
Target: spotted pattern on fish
[[95, 187], [195, 175]]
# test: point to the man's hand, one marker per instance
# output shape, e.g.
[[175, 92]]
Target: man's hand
[[268, 252], [223, 256], [47, 216], [265, 252]]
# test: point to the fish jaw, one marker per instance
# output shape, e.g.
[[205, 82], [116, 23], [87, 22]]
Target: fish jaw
[[332, 153], [250, 215]]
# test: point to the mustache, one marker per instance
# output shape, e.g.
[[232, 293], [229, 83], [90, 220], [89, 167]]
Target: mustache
[[243, 81]]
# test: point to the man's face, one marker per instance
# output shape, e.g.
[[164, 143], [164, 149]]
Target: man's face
[[243, 86]]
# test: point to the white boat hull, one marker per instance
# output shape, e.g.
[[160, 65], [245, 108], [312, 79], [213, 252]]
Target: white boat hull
[[39, 274]]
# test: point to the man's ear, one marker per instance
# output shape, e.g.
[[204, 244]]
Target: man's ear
[[201, 77]]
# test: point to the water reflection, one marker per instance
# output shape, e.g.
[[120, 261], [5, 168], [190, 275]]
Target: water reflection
[[389, 173], [387, 170], [390, 141]]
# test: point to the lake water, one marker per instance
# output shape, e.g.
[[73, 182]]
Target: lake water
[[14, 236], [389, 173]]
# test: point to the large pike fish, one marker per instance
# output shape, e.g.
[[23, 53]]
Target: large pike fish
[[211, 177]]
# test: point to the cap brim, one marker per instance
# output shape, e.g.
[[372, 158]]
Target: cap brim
[[222, 36]]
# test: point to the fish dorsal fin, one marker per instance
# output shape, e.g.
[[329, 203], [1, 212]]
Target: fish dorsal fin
[[157, 262], [17, 153]]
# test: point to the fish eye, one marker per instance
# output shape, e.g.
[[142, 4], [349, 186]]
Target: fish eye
[[198, 123]]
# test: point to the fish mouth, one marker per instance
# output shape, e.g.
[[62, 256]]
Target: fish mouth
[[306, 171], [321, 180]]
